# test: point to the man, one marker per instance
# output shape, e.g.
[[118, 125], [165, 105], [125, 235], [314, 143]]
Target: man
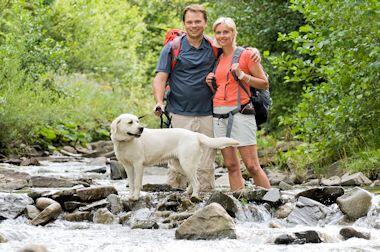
[[190, 99]]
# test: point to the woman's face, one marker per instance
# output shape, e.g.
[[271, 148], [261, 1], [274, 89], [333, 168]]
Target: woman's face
[[224, 35]]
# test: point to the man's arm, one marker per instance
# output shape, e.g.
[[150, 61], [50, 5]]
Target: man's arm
[[159, 84]]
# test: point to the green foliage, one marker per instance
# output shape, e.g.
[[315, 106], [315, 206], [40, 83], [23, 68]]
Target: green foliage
[[367, 162]]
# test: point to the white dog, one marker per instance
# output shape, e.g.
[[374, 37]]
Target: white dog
[[136, 147]]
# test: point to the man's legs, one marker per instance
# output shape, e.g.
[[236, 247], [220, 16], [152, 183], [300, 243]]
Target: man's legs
[[205, 173]]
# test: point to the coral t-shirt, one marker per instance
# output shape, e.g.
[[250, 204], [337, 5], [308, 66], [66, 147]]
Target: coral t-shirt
[[226, 93]]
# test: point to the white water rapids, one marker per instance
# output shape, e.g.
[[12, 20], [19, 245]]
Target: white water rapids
[[85, 236]]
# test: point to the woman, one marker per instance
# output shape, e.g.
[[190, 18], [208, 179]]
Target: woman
[[226, 100]]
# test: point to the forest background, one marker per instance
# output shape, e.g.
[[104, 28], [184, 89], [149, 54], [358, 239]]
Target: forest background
[[68, 67]]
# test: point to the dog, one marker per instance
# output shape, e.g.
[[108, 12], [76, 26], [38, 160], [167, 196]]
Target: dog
[[137, 147]]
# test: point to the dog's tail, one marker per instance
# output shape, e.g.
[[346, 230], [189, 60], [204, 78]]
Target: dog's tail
[[217, 143]]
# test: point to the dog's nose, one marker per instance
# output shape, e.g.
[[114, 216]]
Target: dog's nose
[[141, 129]]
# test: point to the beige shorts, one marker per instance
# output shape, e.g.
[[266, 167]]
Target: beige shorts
[[243, 127]]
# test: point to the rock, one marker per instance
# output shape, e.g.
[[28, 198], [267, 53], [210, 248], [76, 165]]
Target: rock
[[349, 232], [101, 170], [12, 205], [124, 218], [312, 182], [208, 223], [33, 248], [104, 216], [355, 203], [273, 197], [309, 236], [157, 188], [275, 177], [284, 210], [357, 179], [99, 161], [29, 161], [48, 214], [78, 216], [375, 183], [324, 195], [116, 204], [42, 203], [3, 239], [95, 193], [284, 239], [307, 212], [117, 170], [13, 180], [72, 205], [70, 149], [256, 195], [50, 182], [100, 149], [31, 211], [284, 186], [63, 195], [180, 216], [95, 205], [142, 219], [332, 181], [225, 201], [142, 202]]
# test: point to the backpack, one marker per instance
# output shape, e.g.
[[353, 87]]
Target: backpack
[[176, 35], [259, 98]]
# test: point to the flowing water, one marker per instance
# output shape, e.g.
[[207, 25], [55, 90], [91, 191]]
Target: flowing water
[[253, 234]]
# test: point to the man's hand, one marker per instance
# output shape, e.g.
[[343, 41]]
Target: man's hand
[[158, 109], [256, 57]]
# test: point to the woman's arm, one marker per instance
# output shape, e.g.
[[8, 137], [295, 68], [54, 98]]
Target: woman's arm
[[257, 77]]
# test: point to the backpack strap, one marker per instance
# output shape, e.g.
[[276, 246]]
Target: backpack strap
[[235, 59], [175, 49], [215, 50]]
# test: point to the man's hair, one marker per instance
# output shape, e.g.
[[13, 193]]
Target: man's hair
[[194, 8]]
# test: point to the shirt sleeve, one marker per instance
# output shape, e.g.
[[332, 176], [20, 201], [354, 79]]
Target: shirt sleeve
[[165, 60]]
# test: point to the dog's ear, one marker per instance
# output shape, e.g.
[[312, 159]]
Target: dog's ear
[[115, 134]]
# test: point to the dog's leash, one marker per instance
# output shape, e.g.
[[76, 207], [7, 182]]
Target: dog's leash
[[165, 119]]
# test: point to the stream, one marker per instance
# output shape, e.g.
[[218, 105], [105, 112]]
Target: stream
[[252, 234]]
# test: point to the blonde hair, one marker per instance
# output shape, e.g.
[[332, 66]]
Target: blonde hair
[[229, 23]]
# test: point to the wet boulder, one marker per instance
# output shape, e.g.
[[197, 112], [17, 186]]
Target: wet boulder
[[356, 179], [116, 204], [104, 216], [12, 205], [355, 203], [13, 180], [309, 236], [350, 232], [78, 216], [143, 219], [50, 213], [51, 182], [308, 212], [32, 211], [95, 205], [33, 248], [117, 170], [95, 193], [325, 195], [208, 223], [227, 202]]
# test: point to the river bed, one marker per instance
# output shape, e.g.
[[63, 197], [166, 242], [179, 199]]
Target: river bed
[[252, 235]]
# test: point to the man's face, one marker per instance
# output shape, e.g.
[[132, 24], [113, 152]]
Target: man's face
[[195, 24]]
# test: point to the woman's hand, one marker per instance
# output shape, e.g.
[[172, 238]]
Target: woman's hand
[[235, 69], [209, 79]]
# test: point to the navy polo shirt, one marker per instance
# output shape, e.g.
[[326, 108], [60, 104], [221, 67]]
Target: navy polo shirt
[[189, 95]]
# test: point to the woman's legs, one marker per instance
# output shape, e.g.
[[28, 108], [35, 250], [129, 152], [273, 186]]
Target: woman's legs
[[231, 161], [251, 161]]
